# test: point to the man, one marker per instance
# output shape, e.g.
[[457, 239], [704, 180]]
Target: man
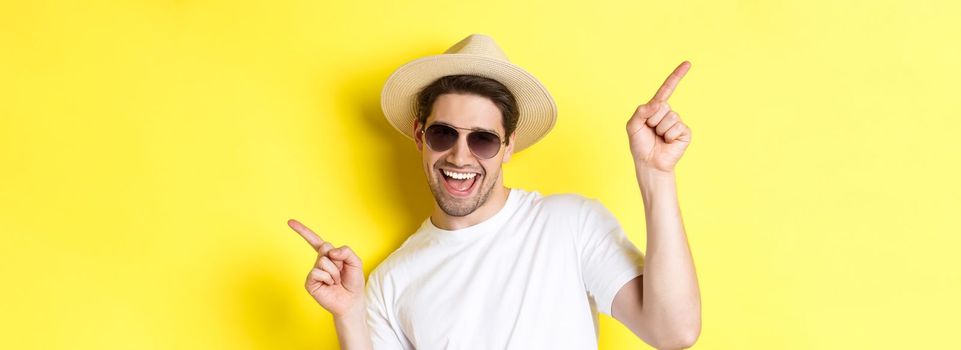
[[495, 267]]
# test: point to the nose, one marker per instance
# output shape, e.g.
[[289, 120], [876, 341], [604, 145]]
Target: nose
[[460, 154]]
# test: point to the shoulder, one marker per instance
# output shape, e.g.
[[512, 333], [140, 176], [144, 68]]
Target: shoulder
[[396, 261], [574, 205], [567, 209], [556, 202], [582, 213]]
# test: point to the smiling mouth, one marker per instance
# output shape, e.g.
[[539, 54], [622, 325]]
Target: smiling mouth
[[460, 184]]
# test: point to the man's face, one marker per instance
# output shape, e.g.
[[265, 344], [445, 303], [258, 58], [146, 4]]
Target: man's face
[[465, 112]]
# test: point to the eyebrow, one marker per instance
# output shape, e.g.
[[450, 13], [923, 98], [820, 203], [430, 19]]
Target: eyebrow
[[476, 128]]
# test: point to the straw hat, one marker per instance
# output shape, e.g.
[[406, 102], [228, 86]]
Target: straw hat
[[477, 55]]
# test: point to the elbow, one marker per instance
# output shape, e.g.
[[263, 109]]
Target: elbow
[[687, 340], [677, 343], [681, 338]]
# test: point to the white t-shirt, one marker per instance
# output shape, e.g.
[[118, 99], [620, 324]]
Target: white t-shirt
[[533, 276]]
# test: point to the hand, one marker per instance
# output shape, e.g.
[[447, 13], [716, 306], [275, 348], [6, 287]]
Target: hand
[[337, 279], [658, 137]]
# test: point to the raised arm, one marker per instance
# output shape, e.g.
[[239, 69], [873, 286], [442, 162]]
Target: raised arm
[[662, 306]]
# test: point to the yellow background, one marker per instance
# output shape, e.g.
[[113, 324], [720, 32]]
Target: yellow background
[[151, 152]]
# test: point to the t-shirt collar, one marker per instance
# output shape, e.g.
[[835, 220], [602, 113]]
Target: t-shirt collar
[[487, 225]]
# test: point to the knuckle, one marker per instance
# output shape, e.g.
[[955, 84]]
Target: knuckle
[[640, 109]]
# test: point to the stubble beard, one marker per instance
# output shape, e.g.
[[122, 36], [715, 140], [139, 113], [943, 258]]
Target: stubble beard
[[459, 207]]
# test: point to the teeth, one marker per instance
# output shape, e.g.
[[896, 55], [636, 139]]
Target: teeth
[[459, 176]]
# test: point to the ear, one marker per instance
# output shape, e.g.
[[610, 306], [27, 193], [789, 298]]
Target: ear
[[418, 137], [510, 149]]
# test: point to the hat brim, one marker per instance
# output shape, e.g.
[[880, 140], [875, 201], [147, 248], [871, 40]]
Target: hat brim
[[536, 107]]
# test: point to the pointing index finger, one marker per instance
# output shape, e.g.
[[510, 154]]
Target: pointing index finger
[[670, 83], [305, 232]]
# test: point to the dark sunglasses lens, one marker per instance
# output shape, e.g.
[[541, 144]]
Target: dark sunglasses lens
[[484, 144], [440, 137]]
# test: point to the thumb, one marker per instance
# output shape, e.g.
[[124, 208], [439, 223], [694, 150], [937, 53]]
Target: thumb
[[346, 255], [353, 273]]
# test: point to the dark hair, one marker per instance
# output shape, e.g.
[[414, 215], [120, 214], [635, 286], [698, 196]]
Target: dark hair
[[475, 85]]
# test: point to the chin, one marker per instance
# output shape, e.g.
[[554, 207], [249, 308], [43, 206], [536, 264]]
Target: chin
[[460, 206]]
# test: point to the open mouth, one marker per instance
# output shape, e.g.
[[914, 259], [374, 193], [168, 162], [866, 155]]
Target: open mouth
[[460, 184]]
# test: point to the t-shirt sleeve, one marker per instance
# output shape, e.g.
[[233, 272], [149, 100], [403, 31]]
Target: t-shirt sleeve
[[608, 258], [385, 333]]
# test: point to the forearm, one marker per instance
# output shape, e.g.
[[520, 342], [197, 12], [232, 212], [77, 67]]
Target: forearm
[[671, 299], [352, 332]]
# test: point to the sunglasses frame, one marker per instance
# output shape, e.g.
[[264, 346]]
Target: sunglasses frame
[[501, 141]]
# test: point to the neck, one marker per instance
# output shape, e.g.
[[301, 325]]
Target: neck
[[495, 202]]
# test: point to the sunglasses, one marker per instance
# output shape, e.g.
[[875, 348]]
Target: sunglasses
[[441, 137]]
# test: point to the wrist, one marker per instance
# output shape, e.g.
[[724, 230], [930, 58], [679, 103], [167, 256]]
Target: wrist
[[354, 314], [352, 330], [654, 184], [646, 173]]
